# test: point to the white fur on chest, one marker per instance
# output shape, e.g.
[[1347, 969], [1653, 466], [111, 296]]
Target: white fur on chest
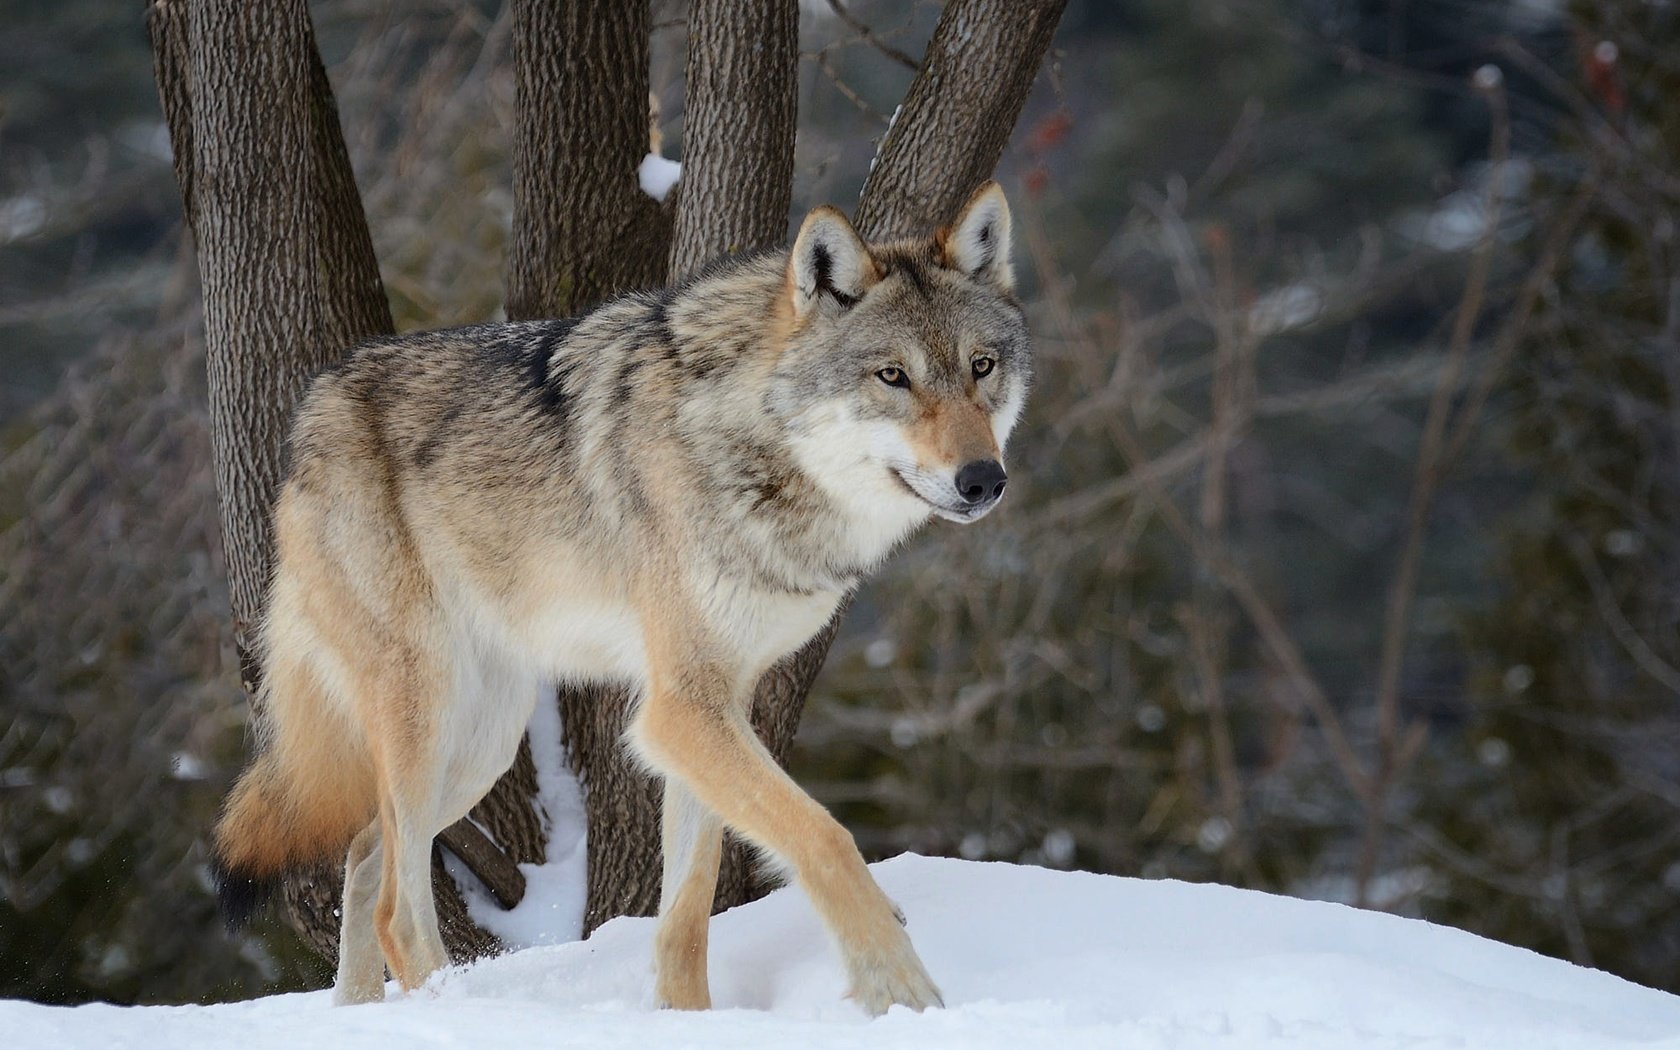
[[763, 626], [585, 642]]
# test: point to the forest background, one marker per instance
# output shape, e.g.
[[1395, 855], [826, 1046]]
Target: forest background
[[1342, 557]]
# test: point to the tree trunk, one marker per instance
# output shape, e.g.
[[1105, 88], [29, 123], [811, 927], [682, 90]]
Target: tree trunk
[[742, 105], [736, 188], [583, 229], [958, 114], [285, 261]]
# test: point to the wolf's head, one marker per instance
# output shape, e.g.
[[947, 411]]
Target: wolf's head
[[907, 363]]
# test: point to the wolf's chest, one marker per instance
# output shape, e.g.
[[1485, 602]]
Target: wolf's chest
[[763, 625]]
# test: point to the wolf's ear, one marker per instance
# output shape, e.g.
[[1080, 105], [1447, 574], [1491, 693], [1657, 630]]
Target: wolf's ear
[[978, 242], [829, 260]]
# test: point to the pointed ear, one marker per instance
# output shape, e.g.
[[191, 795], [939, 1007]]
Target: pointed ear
[[978, 242], [829, 260]]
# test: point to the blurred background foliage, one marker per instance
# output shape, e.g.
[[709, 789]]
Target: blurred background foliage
[[1342, 558]]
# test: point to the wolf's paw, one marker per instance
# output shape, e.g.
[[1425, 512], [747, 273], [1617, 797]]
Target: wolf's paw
[[683, 995], [901, 980], [357, 992]]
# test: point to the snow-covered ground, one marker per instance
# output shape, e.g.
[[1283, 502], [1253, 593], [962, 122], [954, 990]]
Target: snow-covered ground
[[1025, 956]]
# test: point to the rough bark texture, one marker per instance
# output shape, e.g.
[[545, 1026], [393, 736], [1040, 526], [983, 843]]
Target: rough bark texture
[[285, 261], [737, 187], [735, 193], [289, 283], [742, 102], [958, 114], [582, 227]]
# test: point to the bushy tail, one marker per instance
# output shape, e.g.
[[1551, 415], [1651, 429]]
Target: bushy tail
[[299, 803], [246, 868]]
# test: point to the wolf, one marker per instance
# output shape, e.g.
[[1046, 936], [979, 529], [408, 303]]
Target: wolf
[[673, 491]]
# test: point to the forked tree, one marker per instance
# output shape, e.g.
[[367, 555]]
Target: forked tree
[[290, 283]]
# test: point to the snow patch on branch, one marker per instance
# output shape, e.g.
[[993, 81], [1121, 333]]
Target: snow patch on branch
[[658, 175]]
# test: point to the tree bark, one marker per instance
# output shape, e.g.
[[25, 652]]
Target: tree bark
[[742, 103], [285, 261], [583, 229], [958, 114], [737, 189], [734, 196]]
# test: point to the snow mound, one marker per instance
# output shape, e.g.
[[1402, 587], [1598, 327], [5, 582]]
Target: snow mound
[[1025, 957]]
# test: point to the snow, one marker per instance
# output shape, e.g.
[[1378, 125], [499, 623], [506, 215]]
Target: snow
[[1025, 956], [658, 175], [878, 142], [551, 912]]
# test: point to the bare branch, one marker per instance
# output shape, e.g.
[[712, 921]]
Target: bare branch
[[1426, 480], [863, 30]]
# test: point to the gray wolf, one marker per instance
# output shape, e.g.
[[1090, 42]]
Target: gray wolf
[[673, 491]]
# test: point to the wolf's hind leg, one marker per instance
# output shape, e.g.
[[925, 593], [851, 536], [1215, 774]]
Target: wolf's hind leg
[[701, 737], [361, 967], [693, 844], [406, 690], [406, 918]]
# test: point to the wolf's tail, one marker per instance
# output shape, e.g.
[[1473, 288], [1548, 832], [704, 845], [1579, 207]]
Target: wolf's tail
[[302, 800]]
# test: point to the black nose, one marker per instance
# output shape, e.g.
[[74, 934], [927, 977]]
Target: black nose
[[981, 481]]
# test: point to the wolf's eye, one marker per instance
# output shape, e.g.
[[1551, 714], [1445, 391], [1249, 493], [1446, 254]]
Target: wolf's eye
[[893, 377], [983, 367]]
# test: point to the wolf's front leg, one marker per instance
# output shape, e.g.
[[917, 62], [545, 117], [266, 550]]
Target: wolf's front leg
[[697, 734], [693, 845]]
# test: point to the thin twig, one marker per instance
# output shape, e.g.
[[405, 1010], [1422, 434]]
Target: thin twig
[[1516, 324], [1425, 483], [863, 30], [1643, 655], [1273, 635], [846, 89]]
